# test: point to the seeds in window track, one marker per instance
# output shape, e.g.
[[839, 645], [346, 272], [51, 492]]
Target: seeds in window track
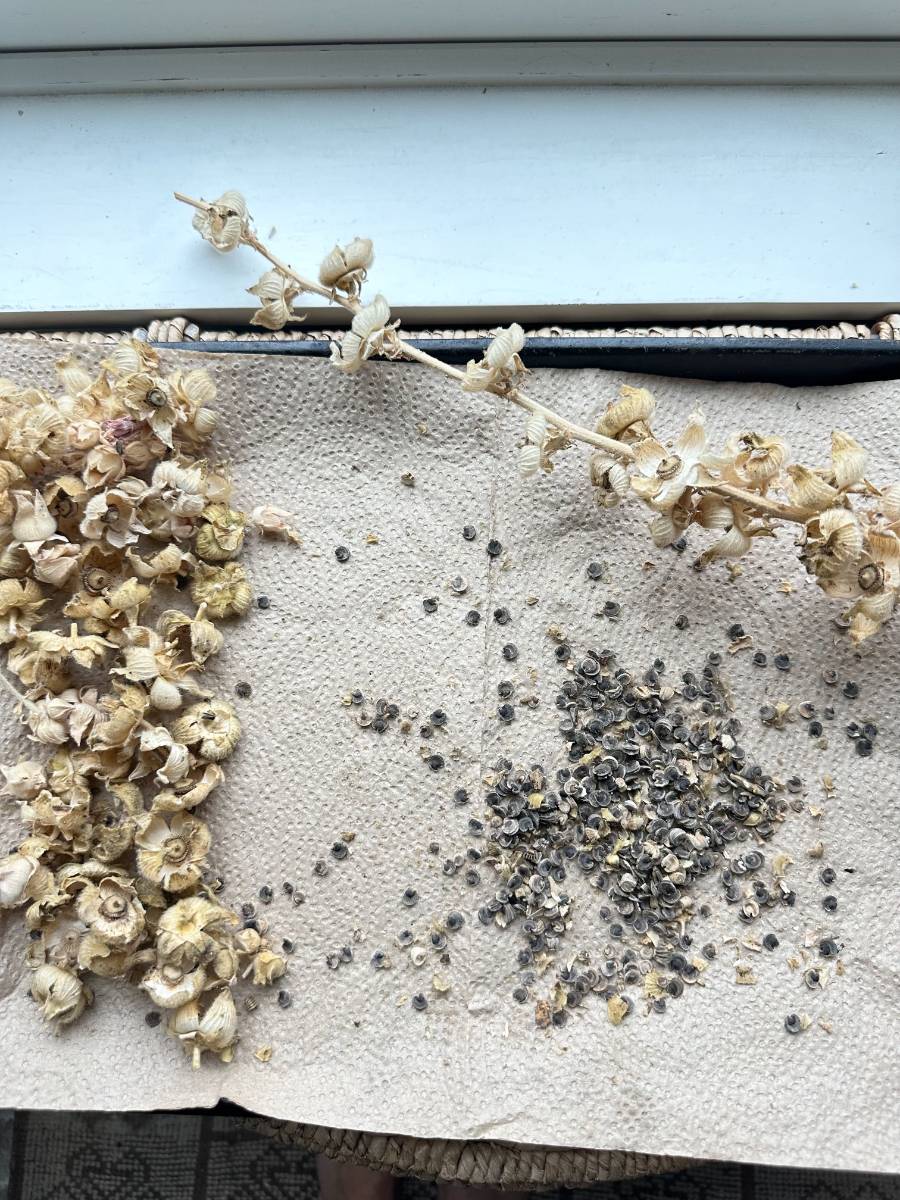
[[425, 731], [612, 609], [439, 941], [473, 617], [434, 847], [829, 676], [345, 954], [379, 960], [796, 1024], [595, 570], [494, 548], [520, 995], [342, 554], [287, 946], [470, 533], [815, 728], [460, 797], [735, 631], [864, 747], [405, 938]]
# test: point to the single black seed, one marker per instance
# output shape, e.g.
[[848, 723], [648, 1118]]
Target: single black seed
[[506, 713], [520, 995], [473, 617], [419, 1002], [356, 697], [829, 903], [714, 658], [815, 728], [829, 948], [455, 921], [35, 935], [710, 951], [287, 946], [501, 616], [425, 731], [770, 941], [339, 850], [460, 797], [760, 658], [595, 570], [405, 937], [152, 1019], [736, 631], [612, 608], [284, 999], [263, 602], [243, 690], [828, 875], [793, 1024], [681, 621], [438, 718], [485, 916], [680, 545], [410, 897], [505, 689], [430, 604], [830, 676], [870, 731], [434, 847], [470, 533], [850, 689], [782, 662], [472, 877], [510, 652], [298, 898], [494, 548], [265, 894], [864, 747], [320, 867], [342, 554], [435, 761], [345, 954], [182, 581]]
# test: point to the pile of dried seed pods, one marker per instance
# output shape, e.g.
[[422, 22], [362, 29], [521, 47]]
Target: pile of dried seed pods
[[658, 793], [106, 505]]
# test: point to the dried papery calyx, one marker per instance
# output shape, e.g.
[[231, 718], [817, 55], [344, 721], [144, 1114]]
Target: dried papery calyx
[[213, 1030], [277, 294], [224, 224], [106, 505], [345, 268]]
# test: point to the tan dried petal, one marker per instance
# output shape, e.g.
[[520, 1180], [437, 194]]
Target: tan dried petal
[[634, 408], [364, 338], [809, 490]]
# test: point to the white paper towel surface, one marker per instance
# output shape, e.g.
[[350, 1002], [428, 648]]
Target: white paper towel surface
[[716, 1076]]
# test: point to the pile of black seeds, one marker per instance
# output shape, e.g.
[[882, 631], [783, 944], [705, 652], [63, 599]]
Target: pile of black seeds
[[658, 793]]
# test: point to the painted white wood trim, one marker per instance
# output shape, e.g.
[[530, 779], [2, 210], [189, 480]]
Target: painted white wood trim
[[77, 24], [242, 68], [565, 203]]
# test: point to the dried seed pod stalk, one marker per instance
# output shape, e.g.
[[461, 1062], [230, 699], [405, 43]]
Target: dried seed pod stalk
[[111, 872], [850, 536]]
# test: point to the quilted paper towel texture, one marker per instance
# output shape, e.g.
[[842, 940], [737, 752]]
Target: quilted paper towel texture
[[714, 1077]]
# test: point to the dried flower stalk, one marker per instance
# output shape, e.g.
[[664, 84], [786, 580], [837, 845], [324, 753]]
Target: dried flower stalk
[[105, 505], [849, 527]]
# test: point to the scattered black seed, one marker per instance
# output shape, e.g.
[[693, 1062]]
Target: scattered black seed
[[485, 916], [505, 689], [434, 847], [502, 616], [405, 937], [243, 690], [782, 662], [470, 533], [320, 867], [265, 894], [760, 658], [248, 910], [612, 609], [419, 1002], [815, 728], [770, 941], [829, 948], [473, 617], [459, 585], [793, 1024], [806, 709], [287, 946], [438, 940], [342, 554], [506, 713], [794, 784], [736, 631], [811, 977], [828, 875], [681, 621], [284, 999], [829, 903], [520, 995], [494, 548], [152, 1019], [680, 545], [346, 954], [864, 747], [830, 676], [425, 731], [252, 923], [472, 877], [828, 712], [709, 951], [455, 921], [378, 959], [339, 850], [410, 897], [870, 731], [263, 602], [510, 652], [595, 570], [35, 935], [435, 761], [430, 604], [356, 697], [460, 797], [438, 718], [850, 689]]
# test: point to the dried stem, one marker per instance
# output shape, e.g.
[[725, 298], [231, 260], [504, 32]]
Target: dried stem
[[578, 433]]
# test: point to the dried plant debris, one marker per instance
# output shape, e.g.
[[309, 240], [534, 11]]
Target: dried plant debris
[[111, 505], [658, 794]]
